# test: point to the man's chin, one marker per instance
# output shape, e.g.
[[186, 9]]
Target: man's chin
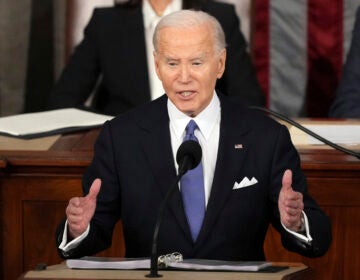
[[188, 107], [187, 111]]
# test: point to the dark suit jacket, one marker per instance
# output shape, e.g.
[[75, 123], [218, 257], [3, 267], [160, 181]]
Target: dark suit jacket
[[134, 159], [114, 47], [347, 101]]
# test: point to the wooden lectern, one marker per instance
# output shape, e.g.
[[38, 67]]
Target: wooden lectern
[[60, 271]]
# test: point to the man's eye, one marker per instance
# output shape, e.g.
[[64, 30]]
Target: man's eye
[[172, 63], [196, 63]]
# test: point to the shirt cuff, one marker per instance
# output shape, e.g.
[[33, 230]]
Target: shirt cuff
[[304, 235], [73, 243]]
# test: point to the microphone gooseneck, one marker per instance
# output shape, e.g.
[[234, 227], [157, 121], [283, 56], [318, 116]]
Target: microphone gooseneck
[[308, 131], [188, 157]]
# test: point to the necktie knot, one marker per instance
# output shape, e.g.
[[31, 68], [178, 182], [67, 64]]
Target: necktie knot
[[190, 128]]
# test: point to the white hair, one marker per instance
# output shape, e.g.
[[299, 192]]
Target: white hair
[[191, 18]]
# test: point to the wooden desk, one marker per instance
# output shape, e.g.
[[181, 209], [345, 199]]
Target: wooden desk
[[36, 185], [295, 271]]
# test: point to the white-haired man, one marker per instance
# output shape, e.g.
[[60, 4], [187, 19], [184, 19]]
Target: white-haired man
[[251, 174]]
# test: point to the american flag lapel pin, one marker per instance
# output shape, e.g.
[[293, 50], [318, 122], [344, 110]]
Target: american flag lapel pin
[[238, 146]]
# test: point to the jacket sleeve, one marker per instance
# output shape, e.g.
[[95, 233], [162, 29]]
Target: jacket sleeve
[[107, 212], [286, 157]]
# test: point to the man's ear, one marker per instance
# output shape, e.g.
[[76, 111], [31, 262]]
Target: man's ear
[[156, 62], [222, 60]]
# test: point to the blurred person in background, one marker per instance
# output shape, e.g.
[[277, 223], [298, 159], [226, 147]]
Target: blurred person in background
[[347, 100]]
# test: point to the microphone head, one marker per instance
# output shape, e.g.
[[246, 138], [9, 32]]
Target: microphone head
[[189, 151]]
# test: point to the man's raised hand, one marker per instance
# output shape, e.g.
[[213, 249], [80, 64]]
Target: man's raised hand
[[290, 204], [80, 210]]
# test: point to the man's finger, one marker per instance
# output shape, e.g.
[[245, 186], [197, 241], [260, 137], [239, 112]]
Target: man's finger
[[74, 202], [94, 189]]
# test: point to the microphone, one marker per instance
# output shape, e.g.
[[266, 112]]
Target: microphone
[[308, 131], [188, 157]]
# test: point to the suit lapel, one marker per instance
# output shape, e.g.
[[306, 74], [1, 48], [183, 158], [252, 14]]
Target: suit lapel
[[233, 147], [157, 147]]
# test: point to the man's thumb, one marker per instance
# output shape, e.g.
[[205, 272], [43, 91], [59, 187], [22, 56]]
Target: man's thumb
[[94, 189], [287, 180]]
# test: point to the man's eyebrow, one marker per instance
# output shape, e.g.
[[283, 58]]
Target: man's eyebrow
[[171, 58], [197, 57]]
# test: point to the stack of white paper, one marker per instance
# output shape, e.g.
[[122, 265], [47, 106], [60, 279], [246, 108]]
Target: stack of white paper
[[50, 122], [341, 134], [187, 264]]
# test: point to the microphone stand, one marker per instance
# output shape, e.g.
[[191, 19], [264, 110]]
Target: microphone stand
[[154, 255], [188, 156]]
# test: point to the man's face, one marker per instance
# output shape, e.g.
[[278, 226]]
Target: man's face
[[188, 66]]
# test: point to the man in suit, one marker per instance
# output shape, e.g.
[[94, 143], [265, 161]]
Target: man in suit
[[117, 48], [251, 170], [347, 100]]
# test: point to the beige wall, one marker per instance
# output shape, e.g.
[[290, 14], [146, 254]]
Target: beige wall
[[14, 32], [14, 43]]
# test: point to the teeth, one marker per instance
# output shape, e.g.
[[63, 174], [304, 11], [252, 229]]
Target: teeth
[[186, 93]]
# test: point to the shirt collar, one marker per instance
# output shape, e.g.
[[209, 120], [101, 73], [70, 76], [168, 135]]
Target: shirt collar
[[206, 120], [151, 18]]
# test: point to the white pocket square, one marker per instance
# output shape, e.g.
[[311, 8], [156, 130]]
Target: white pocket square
[[245, 183]]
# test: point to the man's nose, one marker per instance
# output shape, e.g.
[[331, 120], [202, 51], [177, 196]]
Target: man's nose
[[184, 75]]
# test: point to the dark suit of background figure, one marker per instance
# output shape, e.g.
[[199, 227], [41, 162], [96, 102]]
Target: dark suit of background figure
[[114, 47], [347, 100], [133, 157]]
